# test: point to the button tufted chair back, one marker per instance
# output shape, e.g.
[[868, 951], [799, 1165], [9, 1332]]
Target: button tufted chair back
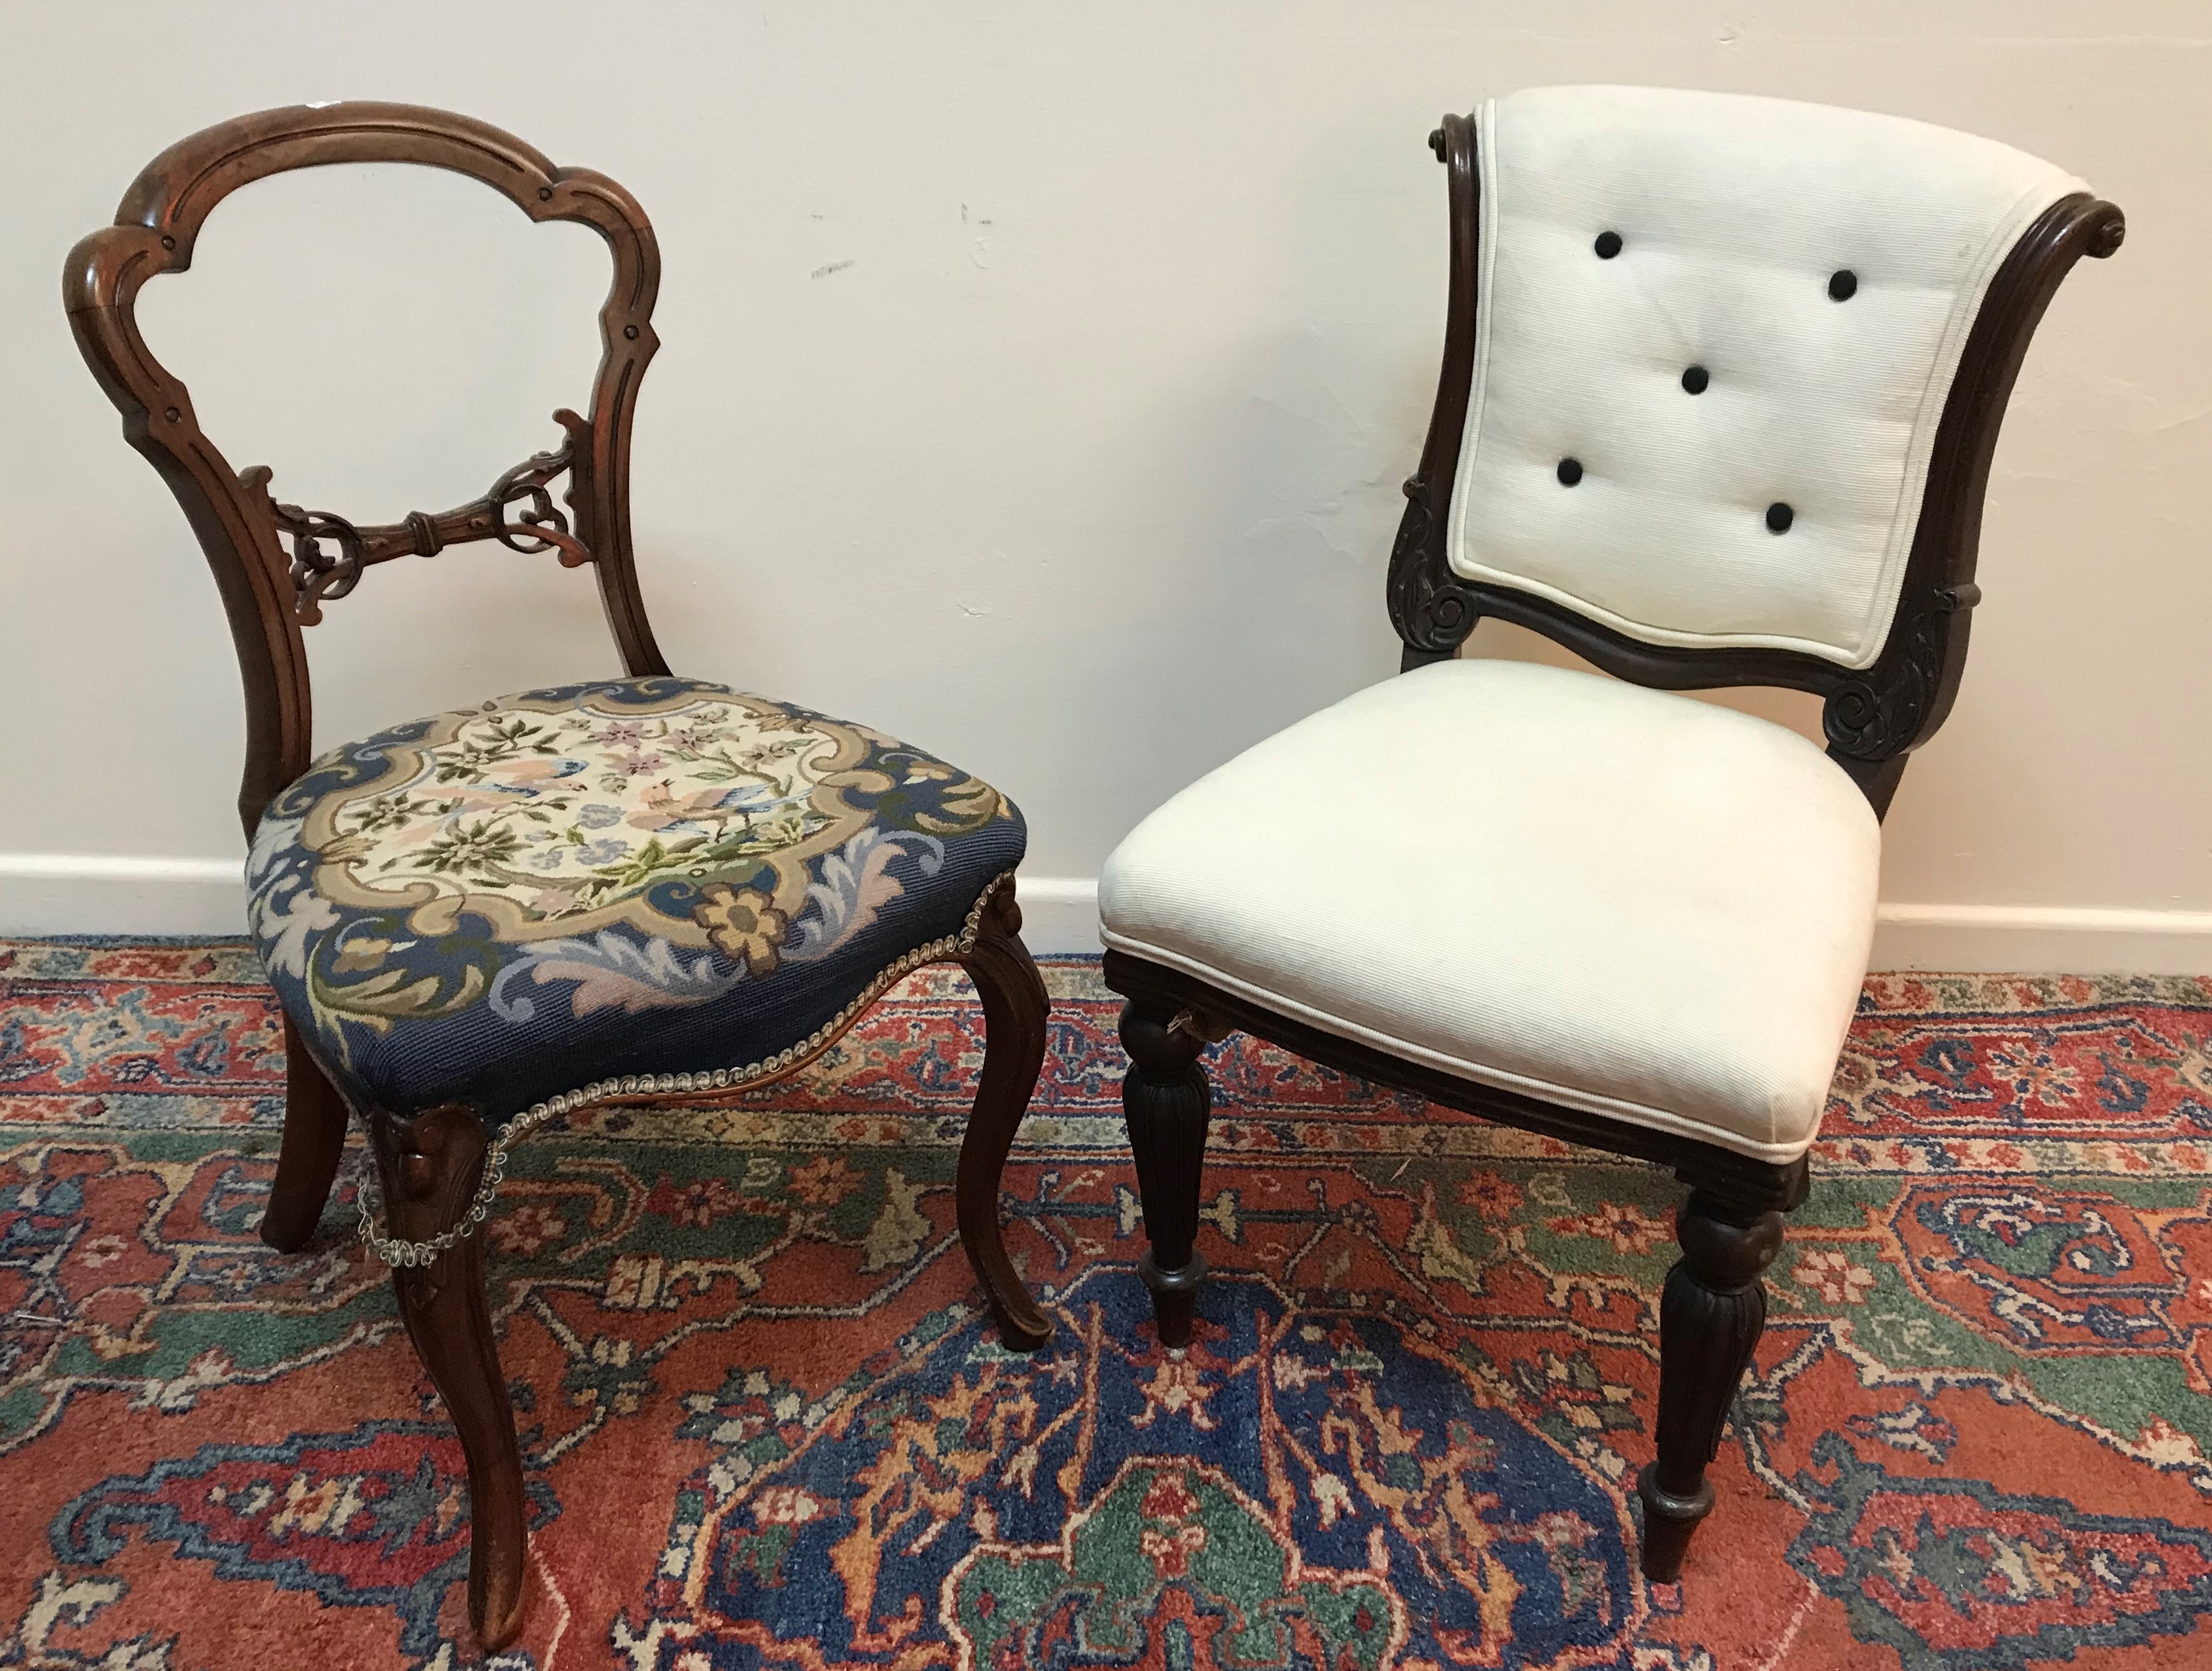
[[1705, 347]]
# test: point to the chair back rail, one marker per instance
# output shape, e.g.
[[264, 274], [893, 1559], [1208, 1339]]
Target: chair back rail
[[269, 597]]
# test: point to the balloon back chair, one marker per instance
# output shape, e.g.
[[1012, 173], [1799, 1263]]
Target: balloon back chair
[[1722, 380], [632, 888]]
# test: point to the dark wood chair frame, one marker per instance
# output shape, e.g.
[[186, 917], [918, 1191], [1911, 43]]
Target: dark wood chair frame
[[430, 1165], [1730, 1226]]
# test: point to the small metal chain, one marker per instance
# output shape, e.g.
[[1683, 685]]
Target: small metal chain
[[395, 1252]]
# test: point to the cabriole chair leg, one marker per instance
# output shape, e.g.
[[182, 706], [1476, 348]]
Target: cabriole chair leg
[[1016, 1013], [1710, 1318], [1167, 1105], [314, 1138], [430, 1167]]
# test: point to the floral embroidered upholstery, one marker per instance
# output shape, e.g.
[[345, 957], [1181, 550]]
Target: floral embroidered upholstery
[[649, 876]]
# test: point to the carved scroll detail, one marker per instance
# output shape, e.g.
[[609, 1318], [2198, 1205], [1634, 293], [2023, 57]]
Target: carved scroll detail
[[1432, 612], [329, 553], [1886, 710]]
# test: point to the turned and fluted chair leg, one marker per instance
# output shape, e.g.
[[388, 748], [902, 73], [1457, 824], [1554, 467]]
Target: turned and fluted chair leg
[[1167, 1105], [314, 1138], [1016, 1013], [430, 1167], [1710, 1318]]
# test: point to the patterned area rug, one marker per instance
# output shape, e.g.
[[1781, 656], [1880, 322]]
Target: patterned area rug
[[764, 1424]]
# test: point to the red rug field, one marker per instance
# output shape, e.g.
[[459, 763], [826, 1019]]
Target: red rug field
[[764, 1423]]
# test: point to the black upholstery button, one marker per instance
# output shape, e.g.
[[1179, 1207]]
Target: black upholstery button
[[1607, 246], [1843, 284], [1779, 516], [1570, 471], [1694, 380]]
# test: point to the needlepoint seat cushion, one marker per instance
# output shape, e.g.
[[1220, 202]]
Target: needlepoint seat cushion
[[1611, 898], [636, 877]]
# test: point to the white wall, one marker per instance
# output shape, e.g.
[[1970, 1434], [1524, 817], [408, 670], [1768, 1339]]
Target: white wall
[[1036, 382]]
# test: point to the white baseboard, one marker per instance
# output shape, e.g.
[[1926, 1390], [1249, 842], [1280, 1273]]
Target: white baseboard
[[99, 893], [1059, 913], [102, 894], [2043, 939]]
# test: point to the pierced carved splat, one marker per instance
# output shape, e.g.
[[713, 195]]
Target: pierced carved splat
[[277, 564], [329, 553]]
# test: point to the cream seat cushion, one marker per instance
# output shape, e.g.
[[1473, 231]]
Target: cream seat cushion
[[1611, 898]]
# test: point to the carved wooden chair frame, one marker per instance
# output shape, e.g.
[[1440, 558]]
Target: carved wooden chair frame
[[431, 1167], [1730, 1226]]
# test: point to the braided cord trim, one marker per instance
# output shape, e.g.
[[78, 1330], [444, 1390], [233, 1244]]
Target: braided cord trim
[[395, 1252]]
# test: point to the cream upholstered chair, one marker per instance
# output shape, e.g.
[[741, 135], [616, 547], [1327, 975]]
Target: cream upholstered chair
[[1722, 380]]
